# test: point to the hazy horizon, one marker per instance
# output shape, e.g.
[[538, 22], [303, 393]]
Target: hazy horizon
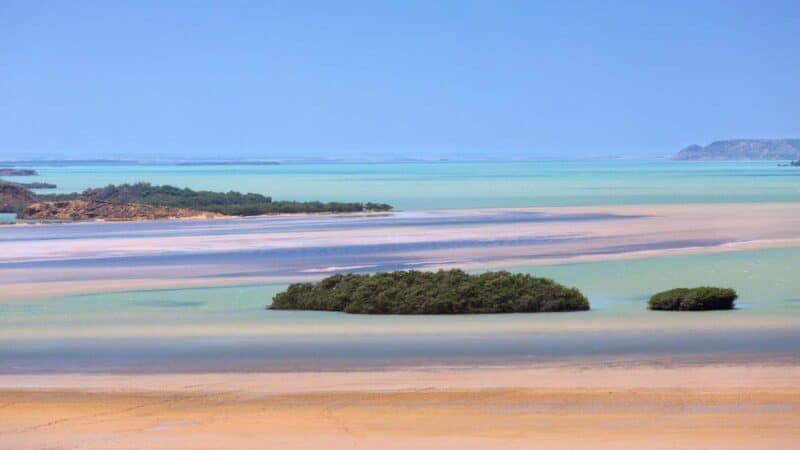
[[386, 80]]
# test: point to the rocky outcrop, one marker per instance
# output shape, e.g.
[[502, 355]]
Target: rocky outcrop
[[17, 172], [774, 149], [14, 198], [82, 209]]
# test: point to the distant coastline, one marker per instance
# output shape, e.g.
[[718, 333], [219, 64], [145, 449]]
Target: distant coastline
[[227, 163], [743, 149], [324, 160], [13, 172]]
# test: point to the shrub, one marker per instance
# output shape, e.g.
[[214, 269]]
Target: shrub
[[442, 292], [228, 203], [702, 298]]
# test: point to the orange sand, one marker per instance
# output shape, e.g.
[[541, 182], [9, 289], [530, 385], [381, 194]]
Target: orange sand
[[559, 407]]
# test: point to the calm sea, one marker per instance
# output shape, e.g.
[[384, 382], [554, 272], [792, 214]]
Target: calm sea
[[438, 185]]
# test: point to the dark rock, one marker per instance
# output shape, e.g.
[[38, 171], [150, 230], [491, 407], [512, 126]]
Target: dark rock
[[14, 198]]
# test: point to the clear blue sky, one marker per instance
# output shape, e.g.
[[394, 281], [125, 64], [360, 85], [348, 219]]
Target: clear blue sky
[[373, 79]]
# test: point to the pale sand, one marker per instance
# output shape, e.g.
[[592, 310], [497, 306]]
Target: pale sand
[[559, 407], [657, 230], [726, 223]]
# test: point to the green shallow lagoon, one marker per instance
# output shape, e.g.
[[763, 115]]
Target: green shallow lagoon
[[229, 329], [618, 290]]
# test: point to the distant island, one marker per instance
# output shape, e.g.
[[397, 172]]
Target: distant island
[[228, 163], [17, 172], [695, 299], [443, 292], [143, 201], [753, 149], [38, 185]]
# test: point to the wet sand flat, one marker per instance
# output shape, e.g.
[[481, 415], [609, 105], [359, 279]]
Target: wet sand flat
[[53, 259], [627, 407]]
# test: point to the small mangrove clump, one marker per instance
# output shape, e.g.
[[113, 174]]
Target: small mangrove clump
[[702, 298], [442, 292]]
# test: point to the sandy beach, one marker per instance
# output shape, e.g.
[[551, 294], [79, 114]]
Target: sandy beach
[[581, 405]]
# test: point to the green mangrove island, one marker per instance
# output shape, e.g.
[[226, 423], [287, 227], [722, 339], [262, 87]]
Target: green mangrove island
[[702, 298], [227, 203], [38, 185], [443, 292]]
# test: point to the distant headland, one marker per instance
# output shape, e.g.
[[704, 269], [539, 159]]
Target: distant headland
[[228, 163], [747, 149], [38, 185], [17, 172]]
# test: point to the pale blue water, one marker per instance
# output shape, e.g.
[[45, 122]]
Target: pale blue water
[[436, 185], [229, 329]]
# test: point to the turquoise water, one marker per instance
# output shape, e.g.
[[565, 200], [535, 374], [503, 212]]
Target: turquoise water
[[199, 329], [764, 279], [229, 328], [436, 185]]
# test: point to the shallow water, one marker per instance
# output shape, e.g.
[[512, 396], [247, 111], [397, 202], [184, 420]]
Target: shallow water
[[228, 328], [437, 185]]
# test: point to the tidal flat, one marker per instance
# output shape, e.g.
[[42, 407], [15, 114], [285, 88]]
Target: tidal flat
[[153, 334]]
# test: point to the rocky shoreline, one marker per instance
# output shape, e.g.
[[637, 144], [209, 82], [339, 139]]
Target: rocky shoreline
[[14, 197], [81, 209], [145, 202]]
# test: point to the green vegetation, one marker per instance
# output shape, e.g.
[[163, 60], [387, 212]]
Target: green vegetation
[[697, 299], [17, 172], [229, 203], [38, 185], [442, 292]]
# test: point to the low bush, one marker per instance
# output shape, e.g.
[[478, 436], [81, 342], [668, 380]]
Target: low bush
[[702, 298], [442, 292]]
